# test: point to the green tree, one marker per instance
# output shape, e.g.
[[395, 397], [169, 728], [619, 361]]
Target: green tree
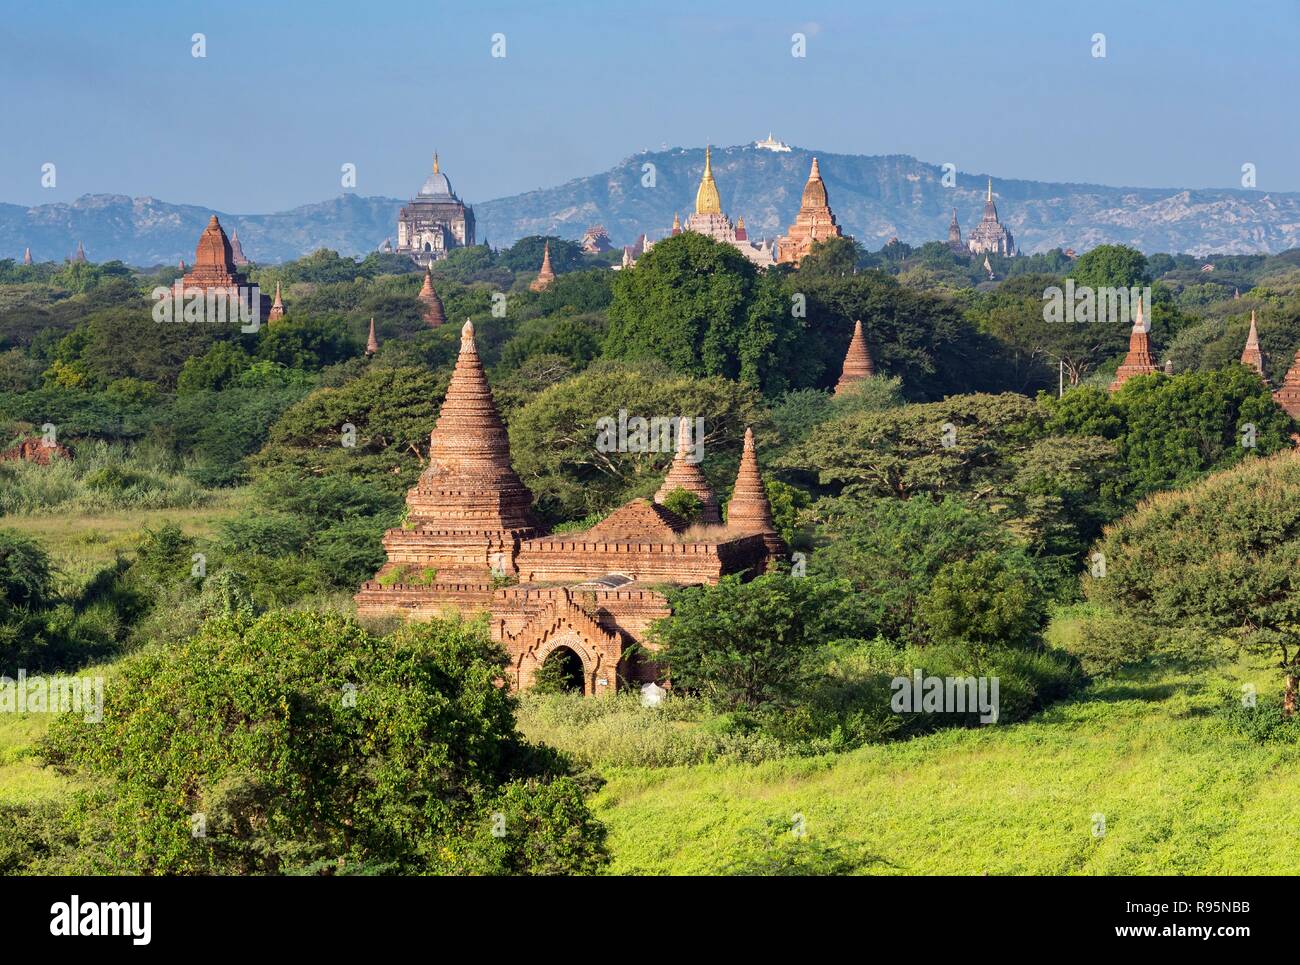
[[702, 308], [310, 744], [891, 552], [1218, 557], [983, 602], [746, 644]]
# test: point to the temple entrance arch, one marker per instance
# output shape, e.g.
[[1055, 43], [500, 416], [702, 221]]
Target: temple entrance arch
[[562, 671]]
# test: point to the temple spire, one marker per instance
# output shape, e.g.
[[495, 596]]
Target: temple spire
[[1140, 359], [27, 256], [1252, 355], [857, 362], [372, 343], [432, 312], [707, 200], [277, 306], [546, 274], [749, 510], [989, 199], [685, 474]]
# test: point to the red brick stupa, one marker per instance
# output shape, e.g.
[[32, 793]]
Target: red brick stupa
[[546, 275], [749, 510], [1252, 355], [214, 261], [431, 311], [684, 474], [237, 253], [471, 544], [1140, 360], [857, 362], [277, 307], [815, 222]]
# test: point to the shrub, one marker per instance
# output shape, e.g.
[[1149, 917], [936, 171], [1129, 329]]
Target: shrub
[[308, 742]]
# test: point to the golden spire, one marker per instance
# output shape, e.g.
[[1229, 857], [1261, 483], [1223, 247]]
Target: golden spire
[[990, 197], [706, 198], [435, 162]]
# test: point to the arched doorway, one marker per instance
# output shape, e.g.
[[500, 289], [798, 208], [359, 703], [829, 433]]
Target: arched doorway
[[561, 672]]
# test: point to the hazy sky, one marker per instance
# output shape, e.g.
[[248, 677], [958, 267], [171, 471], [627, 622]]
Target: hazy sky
[[289, 91]]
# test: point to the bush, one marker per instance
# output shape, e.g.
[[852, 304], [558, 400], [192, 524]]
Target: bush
[[309, 743], [1263, 723]]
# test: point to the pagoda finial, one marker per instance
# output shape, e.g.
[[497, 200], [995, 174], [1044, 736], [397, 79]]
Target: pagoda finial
[[435, 162], [372, 343], [990, 197], [466, 334]]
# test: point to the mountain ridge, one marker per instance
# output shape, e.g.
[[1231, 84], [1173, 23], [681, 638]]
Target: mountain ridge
[[874, 197]]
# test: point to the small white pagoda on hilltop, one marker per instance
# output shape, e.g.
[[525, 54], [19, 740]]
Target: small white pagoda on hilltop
[[772, 145]]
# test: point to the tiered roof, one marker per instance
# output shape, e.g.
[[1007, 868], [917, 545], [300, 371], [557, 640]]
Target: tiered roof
[[214, 261]]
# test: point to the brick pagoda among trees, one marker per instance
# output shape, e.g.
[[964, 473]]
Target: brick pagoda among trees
[[587, 596]]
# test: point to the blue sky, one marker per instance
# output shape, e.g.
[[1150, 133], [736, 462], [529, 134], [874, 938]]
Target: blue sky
[[289, 91]]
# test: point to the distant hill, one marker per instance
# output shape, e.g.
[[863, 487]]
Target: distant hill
[[874, 198]]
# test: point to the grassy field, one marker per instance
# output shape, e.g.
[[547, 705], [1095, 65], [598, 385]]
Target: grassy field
[[1178, 792]]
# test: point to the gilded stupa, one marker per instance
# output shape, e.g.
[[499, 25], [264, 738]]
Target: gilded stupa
[[709, 219]]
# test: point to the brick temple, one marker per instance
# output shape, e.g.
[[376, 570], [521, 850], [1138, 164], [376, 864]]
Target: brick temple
[[472, 544], [815, 222]]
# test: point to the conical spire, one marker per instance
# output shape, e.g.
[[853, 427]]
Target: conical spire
[[27, 256], [990, 209], [677, 224], [1140, 359], [372, 344], [236, 252], [214, 264], [707, 200], [857, 361], [684, 474], [547, 274], [469, 484], [741, 233], [814, 191], [80, 256], [181, 264], [432, 313], [277, 307], [749, 510], [1252, 355]]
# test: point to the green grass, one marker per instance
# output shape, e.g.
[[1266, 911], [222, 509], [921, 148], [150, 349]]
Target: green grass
[[1180, 795], [22, 779], [81, 543]]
